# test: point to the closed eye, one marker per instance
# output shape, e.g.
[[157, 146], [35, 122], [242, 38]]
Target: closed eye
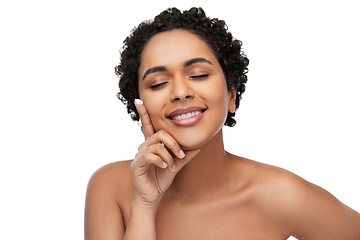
[[157, 85], [200, 76]]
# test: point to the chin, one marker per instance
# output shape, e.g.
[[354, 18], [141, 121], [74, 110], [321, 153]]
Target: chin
[[193, 138], [190, 147], [191, 142]]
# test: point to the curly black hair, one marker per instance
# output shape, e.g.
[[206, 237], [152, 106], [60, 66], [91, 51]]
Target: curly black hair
[[212, 30]]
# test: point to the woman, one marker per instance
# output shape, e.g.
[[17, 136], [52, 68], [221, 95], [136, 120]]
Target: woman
[[189, 74]]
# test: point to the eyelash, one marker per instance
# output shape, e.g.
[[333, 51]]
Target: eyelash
[[157, 85], [200, 76], [192, 77]]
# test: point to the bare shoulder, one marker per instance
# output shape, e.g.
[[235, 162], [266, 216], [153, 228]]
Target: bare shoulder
[[108, 188], [309, 211], [113, 181], [273, 186], [112, 171], [269, 177]]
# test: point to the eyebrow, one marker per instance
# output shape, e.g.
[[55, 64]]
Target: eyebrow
[[196, 60], [154, 70], [186, 64]]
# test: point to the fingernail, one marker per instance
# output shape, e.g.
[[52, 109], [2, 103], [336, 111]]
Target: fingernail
[[164, 164], [173, 169], [182, 154], [138, 102]]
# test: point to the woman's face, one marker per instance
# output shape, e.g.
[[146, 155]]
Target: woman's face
[[183, 88]]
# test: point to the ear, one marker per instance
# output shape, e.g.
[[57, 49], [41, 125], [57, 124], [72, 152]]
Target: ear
[[232, 100]]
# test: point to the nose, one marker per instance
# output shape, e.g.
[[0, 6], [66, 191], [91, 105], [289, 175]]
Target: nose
[[181, 90]]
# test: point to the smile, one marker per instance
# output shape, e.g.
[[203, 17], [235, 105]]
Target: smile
[[186, 116]]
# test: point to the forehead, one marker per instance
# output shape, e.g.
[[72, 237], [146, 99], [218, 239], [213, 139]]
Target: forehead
[[173, 48]]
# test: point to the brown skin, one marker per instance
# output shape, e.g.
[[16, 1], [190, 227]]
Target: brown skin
[[208, 193]]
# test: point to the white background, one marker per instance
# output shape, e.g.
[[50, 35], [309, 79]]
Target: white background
[[60, 118]]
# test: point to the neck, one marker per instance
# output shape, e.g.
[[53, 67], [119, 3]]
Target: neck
[[205, 175]]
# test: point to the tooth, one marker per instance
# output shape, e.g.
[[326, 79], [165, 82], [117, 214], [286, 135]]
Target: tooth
[[185, 116]]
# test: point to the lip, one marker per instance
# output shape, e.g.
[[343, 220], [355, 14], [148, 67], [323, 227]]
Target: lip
[[188, 121]]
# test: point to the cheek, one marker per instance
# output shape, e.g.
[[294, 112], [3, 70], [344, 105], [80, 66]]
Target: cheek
[[154, 104], [216, 94]]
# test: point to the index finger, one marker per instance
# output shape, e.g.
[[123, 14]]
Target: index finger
[[148, 129]]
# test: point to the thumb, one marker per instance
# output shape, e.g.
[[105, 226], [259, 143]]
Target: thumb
[[181, 162]]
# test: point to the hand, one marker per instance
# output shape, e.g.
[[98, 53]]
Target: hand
[[154, 167]]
